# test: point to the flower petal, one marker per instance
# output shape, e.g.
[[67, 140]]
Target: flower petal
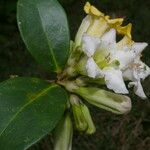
[[114, 80], [110, 36], [138, 47], [98, 27], [141, 71], [90, 9], [125, 57], [138, 89], [82, 29], [136, 71], [114, 23], [128, 74], [125, 30], [92, 68], [90, 44], [125, 41]]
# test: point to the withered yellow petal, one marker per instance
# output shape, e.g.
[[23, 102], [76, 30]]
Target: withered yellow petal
[[96, 12], [98, 27], [126, 30], [104, 22], [115, 22], [89, 9], [125, 41]]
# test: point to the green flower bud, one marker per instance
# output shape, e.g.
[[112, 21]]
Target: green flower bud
[[82, 117], [91, 127], [81, 81], [64, 134], [74, 57], [70, 71], [75, 54], [79, 119], [80, 66], [109, 101]]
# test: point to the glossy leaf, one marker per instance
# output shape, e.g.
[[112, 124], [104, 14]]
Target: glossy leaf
[[44, 29], [29, 109]]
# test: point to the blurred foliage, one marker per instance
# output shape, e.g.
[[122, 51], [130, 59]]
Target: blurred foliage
[[114, 132]]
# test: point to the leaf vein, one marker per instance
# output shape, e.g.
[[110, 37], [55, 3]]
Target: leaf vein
[[24, 106]]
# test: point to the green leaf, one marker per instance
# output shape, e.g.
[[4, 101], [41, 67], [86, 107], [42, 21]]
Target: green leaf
[[44, 29], [29, 109]]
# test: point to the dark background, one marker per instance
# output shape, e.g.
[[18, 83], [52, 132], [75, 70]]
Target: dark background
[[127, 132]]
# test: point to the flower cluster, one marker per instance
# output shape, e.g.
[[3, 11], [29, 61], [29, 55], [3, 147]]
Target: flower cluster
[[104, 57], [98, 59]]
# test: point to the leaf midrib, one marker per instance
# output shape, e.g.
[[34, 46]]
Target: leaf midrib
[[51, 50], [43, 92]]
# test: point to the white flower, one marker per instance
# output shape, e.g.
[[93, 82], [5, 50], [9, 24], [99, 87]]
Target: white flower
[[114, 62], [136, 72], [106, 58]]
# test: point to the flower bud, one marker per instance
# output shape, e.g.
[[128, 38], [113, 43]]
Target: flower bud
[[74, 55], [91, 127], [70, 71], [109, 101], [82, 117], [80, 122], [80, 66], [63, 134]]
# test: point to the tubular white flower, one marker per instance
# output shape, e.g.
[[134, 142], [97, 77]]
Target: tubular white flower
[[108, 59], [136, 72], [105, 47], [104, 51]]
